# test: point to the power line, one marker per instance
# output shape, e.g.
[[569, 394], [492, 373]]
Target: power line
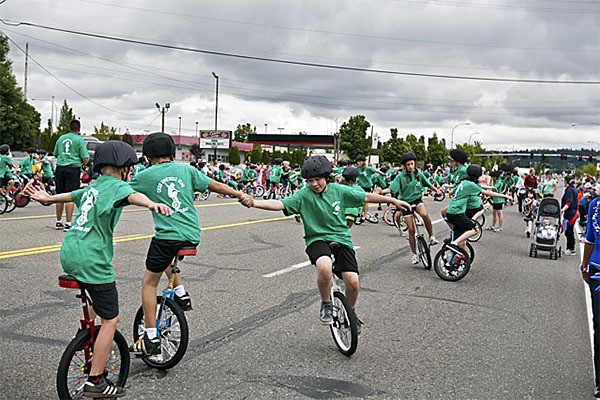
[[300, 63], [66, 85]]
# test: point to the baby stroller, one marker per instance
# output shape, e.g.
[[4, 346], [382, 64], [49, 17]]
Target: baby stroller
[[530, 209], [546, 233]]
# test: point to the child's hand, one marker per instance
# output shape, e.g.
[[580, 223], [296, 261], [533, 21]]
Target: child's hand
[[402, 205], [246, 201], [38, 194], [160, 208]]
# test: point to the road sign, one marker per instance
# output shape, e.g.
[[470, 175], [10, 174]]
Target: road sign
[[215, 139]]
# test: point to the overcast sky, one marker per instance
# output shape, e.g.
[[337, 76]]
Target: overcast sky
[[515, 39]]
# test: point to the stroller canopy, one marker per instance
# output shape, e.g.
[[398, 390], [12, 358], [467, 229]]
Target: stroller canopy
[[549, 207]]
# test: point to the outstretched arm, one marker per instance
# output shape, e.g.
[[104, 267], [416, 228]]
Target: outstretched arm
[[140, 199], [40, 195], [377, 198], [495, 194], [269, 205], [222, 188]]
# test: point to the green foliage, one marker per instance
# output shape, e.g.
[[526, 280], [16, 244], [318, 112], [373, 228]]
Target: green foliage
[[104, 132], [436, 151], [353, 136], [256, 155], [127, 138], [266, 157], [297, 156], [234, 156], [589, 169], [242, 131], [392, 150], [417, 146], [19, 121], [65, 118]]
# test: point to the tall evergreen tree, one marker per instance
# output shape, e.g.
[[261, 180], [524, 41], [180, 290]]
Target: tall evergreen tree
[[19, 121], [353, 136]]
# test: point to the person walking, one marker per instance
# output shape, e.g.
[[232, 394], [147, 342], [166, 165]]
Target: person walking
[[71, 153], [569, 205]]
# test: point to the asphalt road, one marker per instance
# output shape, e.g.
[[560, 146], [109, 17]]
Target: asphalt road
[[514, 328]]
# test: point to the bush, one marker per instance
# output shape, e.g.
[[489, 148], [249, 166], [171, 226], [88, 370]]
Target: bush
[[234, 156]]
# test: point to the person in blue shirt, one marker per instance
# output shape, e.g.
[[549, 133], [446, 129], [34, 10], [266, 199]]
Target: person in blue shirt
[[569, 203], [590, 265]]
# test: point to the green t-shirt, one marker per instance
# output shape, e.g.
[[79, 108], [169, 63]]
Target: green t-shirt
[[409, 191], [174, 185], [137, 168], [365, 177], [354, 211], [381, 181], [26, 165], [249, 175], [47, 168], [70, 150], [499, 185], [548, 186], [6, 165], [276, 173], [458, 176], [87, 251], [323, 213], [462, 193]]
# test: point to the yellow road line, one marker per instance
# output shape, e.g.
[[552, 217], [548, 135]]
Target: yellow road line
[[127, 238], [125, 211]]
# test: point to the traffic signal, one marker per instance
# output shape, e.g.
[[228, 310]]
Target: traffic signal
[[580, 157], [563, 157], [591, 158], [531, 155]]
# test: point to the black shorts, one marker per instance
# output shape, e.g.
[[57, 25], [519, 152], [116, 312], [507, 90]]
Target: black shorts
[[412, 203], [461, 223], [48, 180], [472, 211], [67, 179], [367, 189], [105, 299], [345, 257], [497, 206], [162, 252], [4, 180]]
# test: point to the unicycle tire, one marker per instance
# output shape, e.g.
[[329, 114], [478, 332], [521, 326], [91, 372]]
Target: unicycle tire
[[174, 334], [424, 252], [73, 369], [11, 203], [447, 269], [344, 328], [477, 236]]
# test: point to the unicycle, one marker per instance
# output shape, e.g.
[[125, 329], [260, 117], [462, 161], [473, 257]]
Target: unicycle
[[76, 361], [171, 324], [344, 327], [453, 263]]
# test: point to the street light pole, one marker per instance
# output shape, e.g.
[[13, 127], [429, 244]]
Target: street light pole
[[163, 111], [452, 135], [216, 108], [472, 134], [197, 130], [265, 129], [179, 127]]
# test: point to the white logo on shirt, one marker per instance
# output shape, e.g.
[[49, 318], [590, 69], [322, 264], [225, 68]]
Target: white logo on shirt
[[171, 183], [89, 198], [336, 207], [68, 144]]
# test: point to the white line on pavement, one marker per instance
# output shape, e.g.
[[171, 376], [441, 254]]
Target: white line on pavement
[[588, 294], [437, 221], [293, 267]]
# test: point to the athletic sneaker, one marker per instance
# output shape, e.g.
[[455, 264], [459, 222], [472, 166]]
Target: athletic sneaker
[[326, 314], [414, 259], [184, 302], [490, 228], [498, 230], [145, 347], [569, 252], [66, 227], [359, 325], [59, 225], [102, 390], [433, 240], [528, 234]]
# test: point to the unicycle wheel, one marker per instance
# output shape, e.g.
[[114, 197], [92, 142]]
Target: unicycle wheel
[[344, 327]]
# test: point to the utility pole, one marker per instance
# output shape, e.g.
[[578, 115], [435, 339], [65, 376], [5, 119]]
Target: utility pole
[[371, 144], [163, 111], [214, 74], [26, 64]]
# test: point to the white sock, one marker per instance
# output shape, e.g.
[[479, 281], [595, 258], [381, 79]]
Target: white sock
[[179, 291], [150, 333], [59, 221]]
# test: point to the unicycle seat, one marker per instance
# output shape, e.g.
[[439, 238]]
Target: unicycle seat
[[186, 251], [68, 282]]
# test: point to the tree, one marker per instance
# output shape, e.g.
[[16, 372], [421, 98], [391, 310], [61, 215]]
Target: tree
[[242, 131], [104, 132], [589, 169], [417, 146], [353, 136], [19, 121], [196, 150], [65, 118], [266, 157], [234, 156], [127, 138], [436, 151], [256, 154], [392, 150]]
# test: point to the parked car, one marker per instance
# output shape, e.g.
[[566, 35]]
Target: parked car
[[91, 143]]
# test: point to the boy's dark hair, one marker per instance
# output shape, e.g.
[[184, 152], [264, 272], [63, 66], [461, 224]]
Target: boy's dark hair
[[74, 126]]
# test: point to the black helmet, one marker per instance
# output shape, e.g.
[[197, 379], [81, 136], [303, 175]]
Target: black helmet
[[406, 157], [343, 163], [505, 168], [31, 150], [495, 174], [201, 164], [222, 167], [253, 166], [278, 161], [350, 173], [474, 171], [361, 158], [459, 155], [4, 149], [316, 167], [384, 169], [41, 152], [158, 144], [114, 153]]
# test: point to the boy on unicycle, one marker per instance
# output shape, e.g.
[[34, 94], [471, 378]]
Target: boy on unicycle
[[321, 206], [87, 250]]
